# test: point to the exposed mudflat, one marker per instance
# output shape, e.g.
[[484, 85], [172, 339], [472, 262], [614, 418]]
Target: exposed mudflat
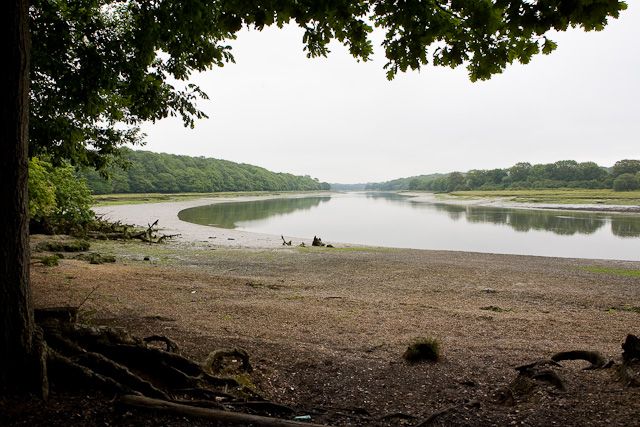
[[507, 202], [326, 328]]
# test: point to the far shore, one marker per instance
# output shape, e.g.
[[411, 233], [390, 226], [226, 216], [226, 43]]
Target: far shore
[[507, 202]]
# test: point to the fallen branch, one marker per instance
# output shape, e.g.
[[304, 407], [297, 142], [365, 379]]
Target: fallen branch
[[284, 242], [211, 414]]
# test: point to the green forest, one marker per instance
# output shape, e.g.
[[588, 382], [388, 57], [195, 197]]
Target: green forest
[[147, 172], [623, 176]]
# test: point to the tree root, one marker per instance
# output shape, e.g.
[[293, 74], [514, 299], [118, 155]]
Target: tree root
[[110, 359], [595, 358], [172, 347], [215, 361], [211, 414]]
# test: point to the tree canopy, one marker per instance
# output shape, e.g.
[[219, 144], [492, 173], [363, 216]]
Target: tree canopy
[[563, 173], [102, 67], [169, 173]]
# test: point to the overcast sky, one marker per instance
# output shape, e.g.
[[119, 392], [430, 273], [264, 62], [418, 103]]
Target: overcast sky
[[342, 121]]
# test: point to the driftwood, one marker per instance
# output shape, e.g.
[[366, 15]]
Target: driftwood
[[207, 413], [596, 359], [104, 230], [284, 242], [317, 241]]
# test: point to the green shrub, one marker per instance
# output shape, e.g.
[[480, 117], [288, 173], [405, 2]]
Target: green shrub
[[59, 201], [42, 193], [626, 182], [50, 260]]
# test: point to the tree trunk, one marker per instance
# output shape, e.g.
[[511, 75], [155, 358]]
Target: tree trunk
[[20, 363]]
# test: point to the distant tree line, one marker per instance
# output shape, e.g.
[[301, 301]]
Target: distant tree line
[[147, 172], [623, 176]]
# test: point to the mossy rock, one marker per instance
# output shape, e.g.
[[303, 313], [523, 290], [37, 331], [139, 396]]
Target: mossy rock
[[423, 350]]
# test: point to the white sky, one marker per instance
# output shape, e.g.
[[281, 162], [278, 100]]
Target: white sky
[[342, 121]]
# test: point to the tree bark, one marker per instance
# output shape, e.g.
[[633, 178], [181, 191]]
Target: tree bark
[[20, 364]]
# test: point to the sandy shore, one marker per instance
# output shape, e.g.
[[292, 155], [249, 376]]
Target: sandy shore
[[195, 234]]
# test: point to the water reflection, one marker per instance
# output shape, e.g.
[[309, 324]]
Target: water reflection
[[625, 226], [227, 215], [524, 220], [397, 220]]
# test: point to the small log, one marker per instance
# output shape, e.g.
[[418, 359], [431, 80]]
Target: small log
[[207, 413], [263, 406]]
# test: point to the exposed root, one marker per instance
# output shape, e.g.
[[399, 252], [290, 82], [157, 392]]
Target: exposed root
[[217, 361], [595, 358], [172, 347], [207, 413], [110, 359]]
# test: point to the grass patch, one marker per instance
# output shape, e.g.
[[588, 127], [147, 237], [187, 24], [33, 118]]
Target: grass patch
[[496, 309], [628, 308], [96, 258], [559, 196], [50, 260], [422, 350], [613, 271], [61, 246]]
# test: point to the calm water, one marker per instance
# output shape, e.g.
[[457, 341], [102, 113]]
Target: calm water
[[388, 219]]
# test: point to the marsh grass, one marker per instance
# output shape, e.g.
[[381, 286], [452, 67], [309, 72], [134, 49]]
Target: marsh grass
[[623, 272], [560, 196]]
